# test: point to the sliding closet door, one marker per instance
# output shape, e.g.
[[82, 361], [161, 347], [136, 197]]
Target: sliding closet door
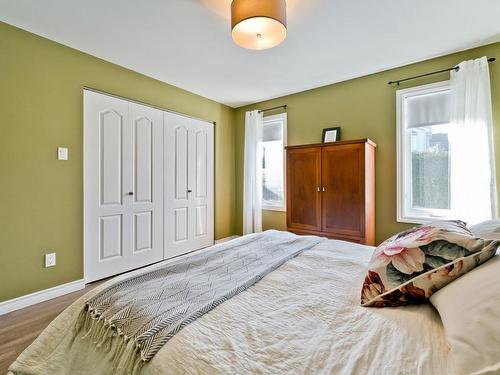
[[189, 184], [123, 185]]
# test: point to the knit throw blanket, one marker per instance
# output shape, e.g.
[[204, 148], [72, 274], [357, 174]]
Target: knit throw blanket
[[137, 316]]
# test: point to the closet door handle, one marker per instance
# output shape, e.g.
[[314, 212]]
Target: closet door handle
[[318, 189], [189, 191], [130, 193], [324, 189]]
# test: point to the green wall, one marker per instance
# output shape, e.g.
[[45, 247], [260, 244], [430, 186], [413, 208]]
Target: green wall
[[41, 199], [364, 108]]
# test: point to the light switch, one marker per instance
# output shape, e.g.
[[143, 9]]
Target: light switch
[[62, 153]]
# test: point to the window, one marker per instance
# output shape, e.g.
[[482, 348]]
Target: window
[[273, 162], [424, 172]]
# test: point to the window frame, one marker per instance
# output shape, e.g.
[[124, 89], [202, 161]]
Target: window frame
[[269, 119], [407, 214]]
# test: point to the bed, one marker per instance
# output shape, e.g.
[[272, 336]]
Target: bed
[[302, 318]]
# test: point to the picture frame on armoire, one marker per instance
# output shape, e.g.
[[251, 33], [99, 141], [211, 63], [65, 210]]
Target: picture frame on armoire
[[331, 135]]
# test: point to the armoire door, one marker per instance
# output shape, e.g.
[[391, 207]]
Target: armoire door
[[189, 184], [123, 185], [343, 195], [303, 180]]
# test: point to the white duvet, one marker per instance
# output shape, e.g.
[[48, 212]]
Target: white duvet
[[303, 318]]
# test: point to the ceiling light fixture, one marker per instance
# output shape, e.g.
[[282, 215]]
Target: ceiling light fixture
[[258, 24]]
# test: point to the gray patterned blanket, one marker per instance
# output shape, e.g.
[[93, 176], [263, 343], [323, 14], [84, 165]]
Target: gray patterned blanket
[[137, 316]]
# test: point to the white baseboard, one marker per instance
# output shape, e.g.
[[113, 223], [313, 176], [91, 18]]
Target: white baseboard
[[40, 296], [225, 239]]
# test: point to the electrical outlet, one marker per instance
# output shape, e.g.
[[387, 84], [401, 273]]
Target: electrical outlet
[[50, 260]]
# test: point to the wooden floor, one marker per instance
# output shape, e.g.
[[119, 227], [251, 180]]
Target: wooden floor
[[18, 329]]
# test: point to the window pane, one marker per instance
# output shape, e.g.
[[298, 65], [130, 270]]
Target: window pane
[[272, 165], [430, 167], [272, 131]]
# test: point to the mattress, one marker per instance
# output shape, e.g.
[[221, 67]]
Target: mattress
[[303, 318]]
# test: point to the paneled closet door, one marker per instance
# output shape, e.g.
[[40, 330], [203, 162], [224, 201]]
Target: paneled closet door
[[189, 184], [123, 185], [146, 206]]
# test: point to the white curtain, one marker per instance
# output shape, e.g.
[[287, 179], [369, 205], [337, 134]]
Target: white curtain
[[252, 180], [473, 180]]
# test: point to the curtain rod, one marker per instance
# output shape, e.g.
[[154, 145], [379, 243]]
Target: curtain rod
[[456, 68], [273, 108]]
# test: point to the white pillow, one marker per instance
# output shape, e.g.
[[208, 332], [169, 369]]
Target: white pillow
[[470, 311], [489, 230]]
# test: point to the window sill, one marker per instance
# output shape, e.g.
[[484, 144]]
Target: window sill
[[420, 220], [270, 208]]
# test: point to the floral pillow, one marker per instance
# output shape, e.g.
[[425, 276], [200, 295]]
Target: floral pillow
[[410, 266]]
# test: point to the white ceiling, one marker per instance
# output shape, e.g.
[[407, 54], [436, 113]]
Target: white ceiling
[[188, 43]]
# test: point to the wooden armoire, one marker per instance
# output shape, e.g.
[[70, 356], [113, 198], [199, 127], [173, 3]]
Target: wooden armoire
[[330, 190]]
